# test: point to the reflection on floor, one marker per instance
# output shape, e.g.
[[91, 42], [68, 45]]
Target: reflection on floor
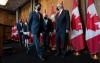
[[22, 57]]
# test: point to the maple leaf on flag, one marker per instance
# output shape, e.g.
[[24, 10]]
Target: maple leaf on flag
[[93, 25], [76, 23]]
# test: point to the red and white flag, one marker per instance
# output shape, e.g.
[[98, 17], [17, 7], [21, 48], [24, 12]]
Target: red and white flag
[[92, 28], [14, 34], [52, 16], [31, 38], [77, 37]]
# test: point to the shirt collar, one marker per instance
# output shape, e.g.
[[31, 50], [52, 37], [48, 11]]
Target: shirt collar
[[61, 11], [36, 11]]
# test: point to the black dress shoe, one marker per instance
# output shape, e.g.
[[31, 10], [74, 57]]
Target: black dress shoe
[[42, 58], [63, 56], [57, 54]]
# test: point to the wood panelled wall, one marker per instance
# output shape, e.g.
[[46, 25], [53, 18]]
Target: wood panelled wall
[[7, 18], [1, 39], [25, 11], [5, 34], [46, 4]]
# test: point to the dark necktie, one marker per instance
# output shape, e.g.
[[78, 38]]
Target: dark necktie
[[38, 15], [57, 15]]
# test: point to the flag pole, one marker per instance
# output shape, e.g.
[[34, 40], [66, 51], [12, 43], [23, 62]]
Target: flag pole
[[85, 3]]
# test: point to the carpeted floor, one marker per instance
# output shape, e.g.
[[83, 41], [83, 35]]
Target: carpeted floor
[[22, 57]]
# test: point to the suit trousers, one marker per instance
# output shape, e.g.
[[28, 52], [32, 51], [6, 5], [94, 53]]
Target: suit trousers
[[61, 42], [21, 39], [46, 40], [36, 42]]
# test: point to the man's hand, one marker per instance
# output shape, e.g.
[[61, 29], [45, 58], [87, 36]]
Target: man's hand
[[40, 34], [28, 33], [54, 31], [50, 33], [67, 31]]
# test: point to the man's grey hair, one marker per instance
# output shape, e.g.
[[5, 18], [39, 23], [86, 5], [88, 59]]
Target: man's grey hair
[[59, 5]]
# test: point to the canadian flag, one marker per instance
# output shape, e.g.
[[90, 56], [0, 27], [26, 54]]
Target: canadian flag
[[14, 34], [77, 38], [31, 38], [52, 16], [92, 28]]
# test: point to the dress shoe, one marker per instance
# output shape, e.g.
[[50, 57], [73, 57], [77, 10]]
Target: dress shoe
[[57, 54], [62, 56], [95, 57], [42, 58]]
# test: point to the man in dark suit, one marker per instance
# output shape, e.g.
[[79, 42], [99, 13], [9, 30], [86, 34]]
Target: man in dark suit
[[36, 27], [62, 28], [48, 28], [26, 35], [20, 31]]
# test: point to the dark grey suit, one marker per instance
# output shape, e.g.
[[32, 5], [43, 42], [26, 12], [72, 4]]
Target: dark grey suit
[[62, 24], [48, 27]]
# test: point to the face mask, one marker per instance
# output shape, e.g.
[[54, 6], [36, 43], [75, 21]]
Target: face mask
[[45, 17], [39, 9], [57, 9]]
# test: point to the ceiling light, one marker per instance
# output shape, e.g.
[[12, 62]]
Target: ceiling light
[[3, 2]]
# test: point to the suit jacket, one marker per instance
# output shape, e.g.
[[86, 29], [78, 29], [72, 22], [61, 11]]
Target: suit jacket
[[25, 28], [35, 22], [48, 27], [19, 27], [63, 21]]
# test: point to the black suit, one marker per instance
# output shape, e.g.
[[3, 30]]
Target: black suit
[[48, 27], [35, 27], [20, 32], [62, 24], [25, 29]]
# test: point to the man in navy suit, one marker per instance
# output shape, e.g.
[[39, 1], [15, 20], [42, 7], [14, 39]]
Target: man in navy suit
[[48, 28], [36, 27], [62, 28], [20, 31]]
